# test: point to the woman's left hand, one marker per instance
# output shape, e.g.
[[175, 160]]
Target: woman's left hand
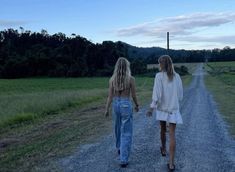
[[149, 112], [106, 114]]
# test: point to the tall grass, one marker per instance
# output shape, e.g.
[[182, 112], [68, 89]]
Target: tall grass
[[33, 85], [22, 107], [27, 99]]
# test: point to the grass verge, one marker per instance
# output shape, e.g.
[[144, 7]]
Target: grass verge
[[222, 85]]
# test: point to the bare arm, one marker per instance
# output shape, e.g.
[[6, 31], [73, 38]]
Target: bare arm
[[109, 99], [133, 94]]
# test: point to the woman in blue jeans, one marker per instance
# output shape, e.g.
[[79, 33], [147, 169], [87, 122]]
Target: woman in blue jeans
[[121, 87]]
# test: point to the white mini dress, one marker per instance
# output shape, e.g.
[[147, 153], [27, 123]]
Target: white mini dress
[[166, 96]]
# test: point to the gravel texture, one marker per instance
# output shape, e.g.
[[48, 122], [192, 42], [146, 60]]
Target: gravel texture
[[202, 141]]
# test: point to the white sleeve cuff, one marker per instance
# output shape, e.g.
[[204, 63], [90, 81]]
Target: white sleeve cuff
[[153, 104]]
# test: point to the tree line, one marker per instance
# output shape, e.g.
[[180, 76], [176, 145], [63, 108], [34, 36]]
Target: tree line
[[30, 54]]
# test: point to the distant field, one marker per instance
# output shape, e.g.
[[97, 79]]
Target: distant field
[[221, 81], [191, 66], [222, 64], [217, 68]]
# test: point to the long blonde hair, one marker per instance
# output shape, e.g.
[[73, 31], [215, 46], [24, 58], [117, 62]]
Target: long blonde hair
[[121, 75], [166, 65]]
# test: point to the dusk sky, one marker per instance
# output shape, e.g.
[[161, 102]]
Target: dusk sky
[[193, 24]]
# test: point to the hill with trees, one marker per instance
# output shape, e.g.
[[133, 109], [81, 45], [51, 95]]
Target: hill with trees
[[28, 54]]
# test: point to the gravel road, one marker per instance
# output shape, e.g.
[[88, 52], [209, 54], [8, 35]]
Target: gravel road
[[202, 142]]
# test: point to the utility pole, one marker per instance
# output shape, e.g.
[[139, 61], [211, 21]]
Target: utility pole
[[167, 34]]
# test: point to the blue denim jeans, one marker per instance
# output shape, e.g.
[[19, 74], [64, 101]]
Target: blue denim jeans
[[122, 114]]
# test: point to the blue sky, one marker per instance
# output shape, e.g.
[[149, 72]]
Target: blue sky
[[193, 24]]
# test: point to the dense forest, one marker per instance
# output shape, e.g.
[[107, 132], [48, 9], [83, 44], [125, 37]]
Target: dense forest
[[28, 54]]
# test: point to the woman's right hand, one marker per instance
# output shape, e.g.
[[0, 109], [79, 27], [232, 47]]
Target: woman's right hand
[[137, 108]]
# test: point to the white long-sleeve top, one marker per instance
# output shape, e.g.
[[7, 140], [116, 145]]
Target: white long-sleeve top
[[166, 93]]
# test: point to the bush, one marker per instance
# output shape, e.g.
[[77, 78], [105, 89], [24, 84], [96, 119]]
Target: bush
[[182, 70]]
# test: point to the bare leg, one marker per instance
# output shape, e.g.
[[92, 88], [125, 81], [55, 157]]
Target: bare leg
[[163, 135], [172, 144]]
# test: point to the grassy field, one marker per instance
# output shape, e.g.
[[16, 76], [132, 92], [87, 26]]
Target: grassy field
[[42, 119], [191, 66], [221, 81], [28, 99], [45, 119]]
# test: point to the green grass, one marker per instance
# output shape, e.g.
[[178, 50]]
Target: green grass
[[186, 80], [39, 145], [33, 105], [217, 68], [28, 99], [48, 118], [41, 116], [32, 85], [44, 118], [222, 85], [222, 64]]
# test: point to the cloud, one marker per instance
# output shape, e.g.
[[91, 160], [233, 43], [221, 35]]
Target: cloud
[[192, 42], [178, 25], [12, 23], [227, 39]]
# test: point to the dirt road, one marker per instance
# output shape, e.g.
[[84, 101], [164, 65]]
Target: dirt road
[[203, 143]]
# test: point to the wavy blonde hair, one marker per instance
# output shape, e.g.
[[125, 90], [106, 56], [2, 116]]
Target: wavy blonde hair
[[167, 66], [121, 75]]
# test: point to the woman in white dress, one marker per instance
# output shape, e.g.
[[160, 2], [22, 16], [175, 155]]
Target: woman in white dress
[[167, 92]]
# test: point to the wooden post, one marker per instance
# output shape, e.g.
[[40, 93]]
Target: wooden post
[[167, 41]]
